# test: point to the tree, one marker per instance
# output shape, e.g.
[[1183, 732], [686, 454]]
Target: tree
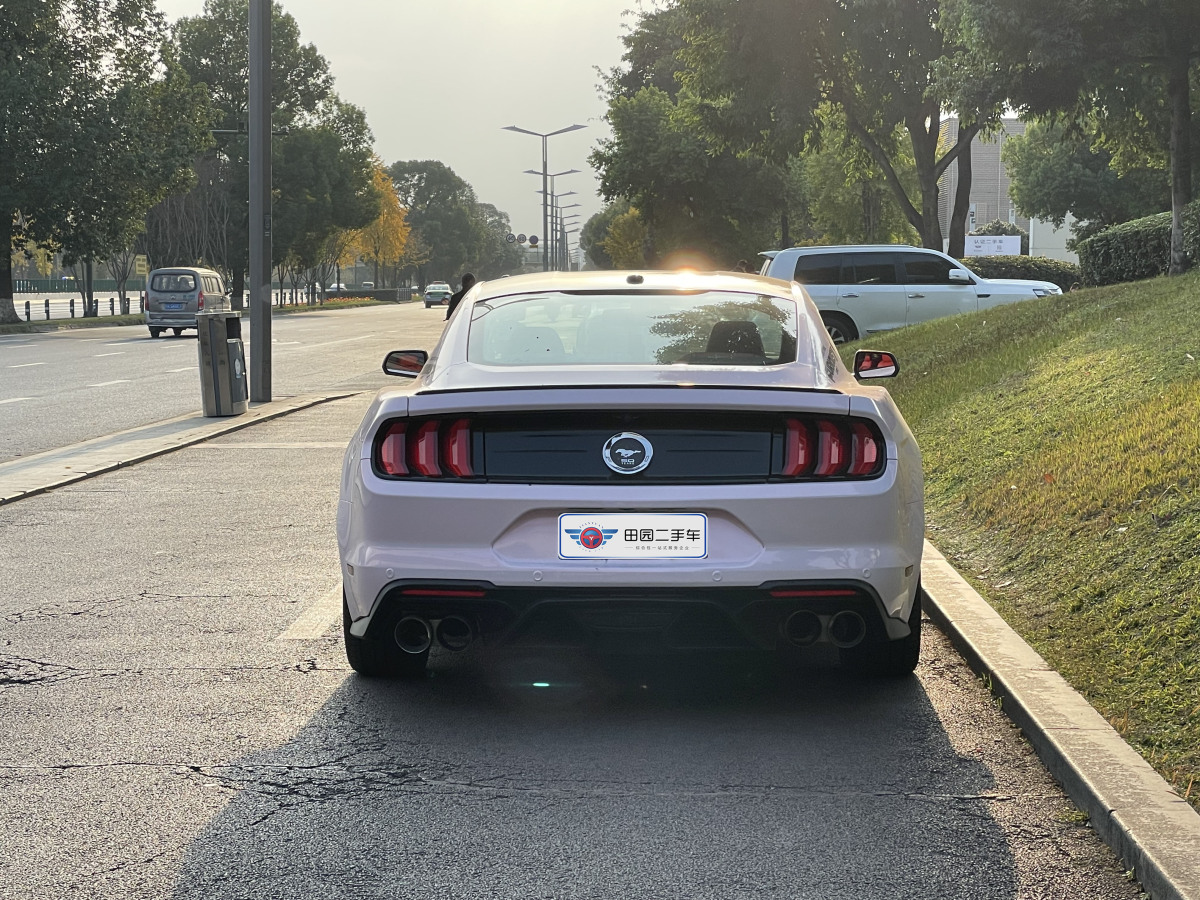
[[494, 255], [214, 50], [442, 207], [595, 231], [1132, 56], [382, 242], [626, 241], [690, 195], [1056, 172], [69, 174], [765, 67]]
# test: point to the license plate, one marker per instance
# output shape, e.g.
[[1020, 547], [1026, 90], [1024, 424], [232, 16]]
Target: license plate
[[172, 306], [633, 536]]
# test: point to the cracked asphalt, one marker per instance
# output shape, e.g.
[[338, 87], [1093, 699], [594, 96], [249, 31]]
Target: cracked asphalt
[[161, 740]]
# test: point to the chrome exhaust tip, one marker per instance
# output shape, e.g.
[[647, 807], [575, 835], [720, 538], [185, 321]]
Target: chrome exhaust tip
[[847, 629], [454, 633], [802, 628], [413, 635]]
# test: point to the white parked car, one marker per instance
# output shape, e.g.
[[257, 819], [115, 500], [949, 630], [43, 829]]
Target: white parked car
[[617, 460], [863, 289]]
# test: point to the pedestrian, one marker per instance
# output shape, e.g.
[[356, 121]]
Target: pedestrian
[[742, 266], [468, 282]]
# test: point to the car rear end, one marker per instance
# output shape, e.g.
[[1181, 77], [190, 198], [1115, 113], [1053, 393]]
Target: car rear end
[[762, 522], [624, 466], [173, 297]]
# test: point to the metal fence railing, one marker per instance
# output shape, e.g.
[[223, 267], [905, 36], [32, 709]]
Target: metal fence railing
[[60, 286]]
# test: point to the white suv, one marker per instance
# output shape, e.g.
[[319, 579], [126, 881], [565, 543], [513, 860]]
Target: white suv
[[864, 289]]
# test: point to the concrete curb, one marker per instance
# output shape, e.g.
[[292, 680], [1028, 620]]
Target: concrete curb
[[31, 475], [1130, 806]]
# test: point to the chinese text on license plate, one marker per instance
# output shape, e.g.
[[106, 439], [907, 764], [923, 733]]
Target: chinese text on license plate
[[633, 536]]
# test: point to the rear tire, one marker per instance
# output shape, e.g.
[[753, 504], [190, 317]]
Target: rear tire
[[376, 659], [155, 332], [840, 328], [178, 331], [428, 304], [890, 659]]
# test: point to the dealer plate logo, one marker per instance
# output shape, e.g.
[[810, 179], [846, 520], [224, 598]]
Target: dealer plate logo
[[627, 453]]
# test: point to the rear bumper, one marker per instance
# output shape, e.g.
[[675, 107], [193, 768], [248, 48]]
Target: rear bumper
[[629, 619], [171, 320]]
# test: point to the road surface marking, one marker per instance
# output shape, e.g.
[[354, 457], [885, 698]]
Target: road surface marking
[[14, 400], [317, 619], [116, 353], [107, 383], [184, 369], [26, 365]]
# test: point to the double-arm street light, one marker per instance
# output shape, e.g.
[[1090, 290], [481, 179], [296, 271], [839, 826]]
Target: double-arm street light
[[550, 233], [545, 173]]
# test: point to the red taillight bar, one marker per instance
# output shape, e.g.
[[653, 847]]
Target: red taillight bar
[[830, 448], [427, 448]]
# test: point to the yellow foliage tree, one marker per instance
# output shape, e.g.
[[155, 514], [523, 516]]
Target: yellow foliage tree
[[626, 240], [383, 241]]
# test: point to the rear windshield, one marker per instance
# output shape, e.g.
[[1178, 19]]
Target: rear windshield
[[704, 328], [173, 283]]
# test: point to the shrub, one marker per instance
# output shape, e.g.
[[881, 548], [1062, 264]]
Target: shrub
[[1038, 268], [1137, 249], [998, 227]]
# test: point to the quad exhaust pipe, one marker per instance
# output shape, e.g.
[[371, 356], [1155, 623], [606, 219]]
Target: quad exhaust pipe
[[845, 629], [413, 635], [454, 633], [803, 628]]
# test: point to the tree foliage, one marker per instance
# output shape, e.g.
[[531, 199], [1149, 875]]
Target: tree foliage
[[382, 242], [1132, 60], [595, 231], [77, 79], [1056, 172]]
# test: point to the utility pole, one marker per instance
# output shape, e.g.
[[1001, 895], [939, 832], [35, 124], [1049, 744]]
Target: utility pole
[[260, 200]]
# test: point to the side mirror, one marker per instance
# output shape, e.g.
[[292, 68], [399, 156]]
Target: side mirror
[[875, 364], [959, 276], [407, 363]]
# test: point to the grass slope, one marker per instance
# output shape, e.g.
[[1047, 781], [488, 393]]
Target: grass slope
[[1061, 441]]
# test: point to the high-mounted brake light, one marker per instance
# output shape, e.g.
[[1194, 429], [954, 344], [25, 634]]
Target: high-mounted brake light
[[425, 448]]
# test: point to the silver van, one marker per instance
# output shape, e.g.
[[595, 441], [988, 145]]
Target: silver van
[[174, 296]]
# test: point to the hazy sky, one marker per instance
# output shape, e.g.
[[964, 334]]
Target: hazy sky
[[439, 79]]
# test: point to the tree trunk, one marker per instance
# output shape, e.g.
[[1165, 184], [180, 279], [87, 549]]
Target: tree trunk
[[8, 312], [785, 239], [238, 294], [1178, 95], [962, 204], [90, 308]]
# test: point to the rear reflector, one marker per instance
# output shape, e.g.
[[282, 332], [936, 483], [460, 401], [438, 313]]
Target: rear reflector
[[441, 592], [427, 448]]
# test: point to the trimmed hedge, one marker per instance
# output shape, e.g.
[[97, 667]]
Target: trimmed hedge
[[1038, 268], [1138, 249]]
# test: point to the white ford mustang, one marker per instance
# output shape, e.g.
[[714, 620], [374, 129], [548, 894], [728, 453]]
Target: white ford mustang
[[632, 461]]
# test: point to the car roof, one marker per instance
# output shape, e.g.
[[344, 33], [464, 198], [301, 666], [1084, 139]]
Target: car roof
[[629, 281], [823, 248]]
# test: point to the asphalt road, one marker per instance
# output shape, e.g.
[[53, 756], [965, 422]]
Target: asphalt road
[[178, 720], [62, 387]]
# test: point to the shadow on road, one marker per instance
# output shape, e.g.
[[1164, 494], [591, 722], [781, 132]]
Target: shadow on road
[[556, 776]]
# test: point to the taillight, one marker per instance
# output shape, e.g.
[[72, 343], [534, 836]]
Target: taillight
[[427, 448], [200, 301], [831, 447]]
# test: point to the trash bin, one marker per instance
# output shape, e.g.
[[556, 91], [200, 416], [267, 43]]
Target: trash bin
[[223, 388]]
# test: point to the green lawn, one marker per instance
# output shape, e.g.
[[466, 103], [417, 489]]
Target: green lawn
[[1061, 440]]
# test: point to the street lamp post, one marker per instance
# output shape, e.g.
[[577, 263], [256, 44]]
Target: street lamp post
[[549, 236], [545, 173], [553, 225], [260, 199]]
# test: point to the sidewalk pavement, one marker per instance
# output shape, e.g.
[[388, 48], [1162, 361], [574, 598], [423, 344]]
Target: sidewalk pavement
[[1154, 830]]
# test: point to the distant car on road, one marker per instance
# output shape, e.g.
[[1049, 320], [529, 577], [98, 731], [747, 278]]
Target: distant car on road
[[437, 293], [651, 462], [863, 289], [174, 296]]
